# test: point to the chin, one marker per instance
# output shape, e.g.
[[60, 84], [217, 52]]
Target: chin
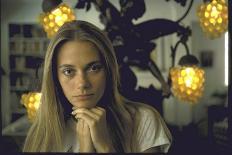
[[84, 105]]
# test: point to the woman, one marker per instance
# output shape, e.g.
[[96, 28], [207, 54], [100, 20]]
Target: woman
[[81, 108]]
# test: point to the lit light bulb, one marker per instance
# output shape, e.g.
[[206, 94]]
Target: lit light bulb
[[213, 18], [190, 84], [32, 102], [53, 20]]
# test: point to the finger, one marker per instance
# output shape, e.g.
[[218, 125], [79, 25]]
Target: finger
[[89, 120], [73, 117], [86, 111], [86, 127], [100, 108], [80, 125], [98, 111], [74, 108]]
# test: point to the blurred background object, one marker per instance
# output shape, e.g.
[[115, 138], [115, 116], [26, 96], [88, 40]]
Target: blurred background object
[[145, 35]]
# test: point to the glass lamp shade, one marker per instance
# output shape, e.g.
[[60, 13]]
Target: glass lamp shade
[[32, 102], [54, 19], [187, 83], [213, 18]]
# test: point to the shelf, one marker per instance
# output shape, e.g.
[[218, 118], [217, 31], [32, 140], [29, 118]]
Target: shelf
[[27, 54], [14, 88], [24, 71], [40, 39], [18, 128], [27, 46], [20, 111]]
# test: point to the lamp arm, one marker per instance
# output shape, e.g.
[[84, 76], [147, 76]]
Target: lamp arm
[[84, 4], [173, 54], [156, 72], [186, 13], [186, 47], [174, 49], [107, 10]]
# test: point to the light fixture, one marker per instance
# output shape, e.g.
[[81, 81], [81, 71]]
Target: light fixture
[[191, 87], [55, 14], [187, 79], [31, 101], [213, 16]]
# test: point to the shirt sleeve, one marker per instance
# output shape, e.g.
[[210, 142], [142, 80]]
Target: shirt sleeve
[[151, 131]]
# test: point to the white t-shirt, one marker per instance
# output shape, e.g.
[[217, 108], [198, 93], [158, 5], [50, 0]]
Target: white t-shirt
[[149, 130]]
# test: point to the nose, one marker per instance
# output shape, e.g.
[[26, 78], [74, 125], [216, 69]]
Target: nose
[[82, 81]]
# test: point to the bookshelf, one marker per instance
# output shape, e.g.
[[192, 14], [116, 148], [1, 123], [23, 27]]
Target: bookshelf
[[27, 47]]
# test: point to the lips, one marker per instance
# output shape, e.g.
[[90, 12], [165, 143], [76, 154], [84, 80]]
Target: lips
[[83, 97]]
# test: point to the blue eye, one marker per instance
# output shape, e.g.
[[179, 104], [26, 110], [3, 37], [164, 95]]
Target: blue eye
[[68, 72]]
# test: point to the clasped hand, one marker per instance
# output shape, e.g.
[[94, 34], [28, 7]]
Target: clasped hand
[[92, 130]]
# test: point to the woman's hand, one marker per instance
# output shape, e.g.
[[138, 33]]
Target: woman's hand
[[96, 120], [83, 132]]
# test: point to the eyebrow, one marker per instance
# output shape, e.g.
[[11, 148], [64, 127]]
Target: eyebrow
[[86, 66]]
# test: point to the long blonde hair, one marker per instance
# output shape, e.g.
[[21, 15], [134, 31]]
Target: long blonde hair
[[47, 132]]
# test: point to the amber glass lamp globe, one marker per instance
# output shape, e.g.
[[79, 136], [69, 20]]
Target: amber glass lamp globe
[[187, 80], [213, 17], [55, 18], [31, 101]]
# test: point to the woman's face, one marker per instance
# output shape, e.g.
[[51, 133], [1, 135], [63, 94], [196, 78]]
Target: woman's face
[[81, 73]]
